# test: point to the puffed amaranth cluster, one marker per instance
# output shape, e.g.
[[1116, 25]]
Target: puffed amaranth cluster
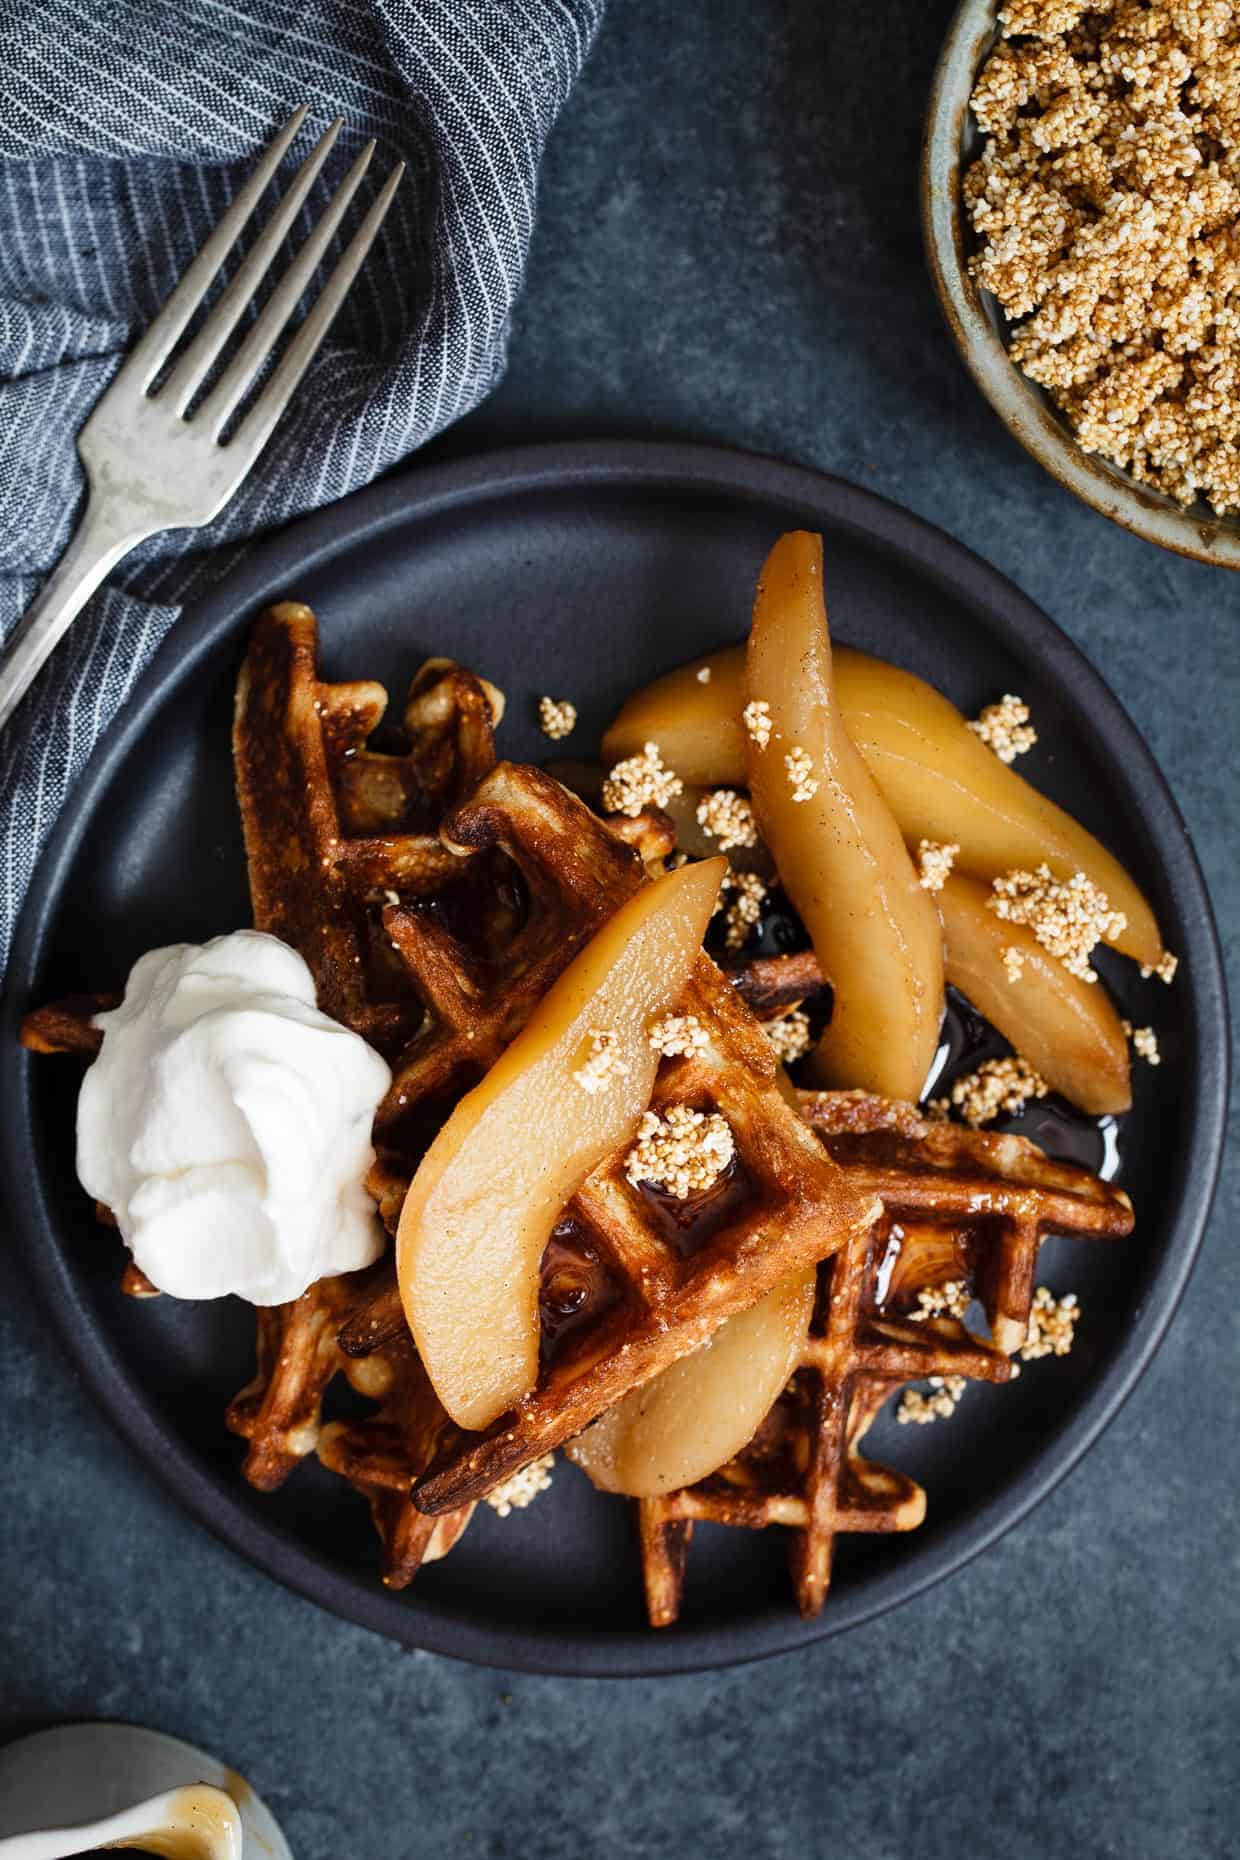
[[1107, 203]]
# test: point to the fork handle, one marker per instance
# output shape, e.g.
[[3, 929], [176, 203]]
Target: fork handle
[[100, 540]]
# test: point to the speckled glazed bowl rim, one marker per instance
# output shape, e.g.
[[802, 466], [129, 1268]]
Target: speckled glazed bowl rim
[[973, 320], [675, 471]]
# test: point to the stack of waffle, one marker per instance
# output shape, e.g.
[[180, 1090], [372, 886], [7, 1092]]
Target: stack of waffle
[[436, 895]]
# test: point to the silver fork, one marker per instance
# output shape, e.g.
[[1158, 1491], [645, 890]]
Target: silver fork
[[148, 467]]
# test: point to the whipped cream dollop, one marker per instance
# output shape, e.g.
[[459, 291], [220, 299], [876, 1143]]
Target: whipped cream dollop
[[226, 1123]]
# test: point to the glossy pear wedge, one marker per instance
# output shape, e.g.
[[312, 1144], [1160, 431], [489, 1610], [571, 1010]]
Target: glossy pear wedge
[[484, 1200], [942, 783], [1067, 1029], [840, 853], [690, 1419], [696, 725], [940, 780]]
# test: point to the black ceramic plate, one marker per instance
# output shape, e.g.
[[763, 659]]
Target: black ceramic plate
[[583, 570]]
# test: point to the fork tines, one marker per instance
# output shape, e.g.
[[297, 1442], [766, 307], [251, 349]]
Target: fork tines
[[194, 365]]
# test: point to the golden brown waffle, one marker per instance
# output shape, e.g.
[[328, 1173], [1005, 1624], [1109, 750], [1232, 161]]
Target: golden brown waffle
[[379, 1457], [530, 875], [627, 1285], [771, 985], [435, 957], [972, 1204], [334, 827], [340, 836], [537, 875], [335, 830], [337, 833], [437, 949], [279, 1412], [67, 1026], [280, 1415], [958, 1205]]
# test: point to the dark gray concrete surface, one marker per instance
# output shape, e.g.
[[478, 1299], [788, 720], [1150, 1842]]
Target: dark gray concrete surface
[[729, 250]]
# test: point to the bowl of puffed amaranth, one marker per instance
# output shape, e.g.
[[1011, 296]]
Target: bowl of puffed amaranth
[[1081, 209]]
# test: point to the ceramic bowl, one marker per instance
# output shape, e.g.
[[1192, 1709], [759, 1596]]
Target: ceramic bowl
[[952, 139]]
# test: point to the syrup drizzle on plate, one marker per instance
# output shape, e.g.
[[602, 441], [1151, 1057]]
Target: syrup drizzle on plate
[[1066, 1134], [966, 1042]]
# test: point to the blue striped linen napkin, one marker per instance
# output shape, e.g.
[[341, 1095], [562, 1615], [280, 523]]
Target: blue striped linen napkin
[[125, 130]]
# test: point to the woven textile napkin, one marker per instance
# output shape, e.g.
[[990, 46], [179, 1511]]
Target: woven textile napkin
[[126, 127]]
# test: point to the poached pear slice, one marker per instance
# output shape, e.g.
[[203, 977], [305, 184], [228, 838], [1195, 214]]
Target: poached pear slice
[[943, 784], [938, 778], [1066, 1028], [486, 1195], [695, 722], [694, 1416], [838, 849]]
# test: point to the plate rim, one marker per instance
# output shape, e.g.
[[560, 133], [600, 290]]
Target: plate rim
[[1014, 618]]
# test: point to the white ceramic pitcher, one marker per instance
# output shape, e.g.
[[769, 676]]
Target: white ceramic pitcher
[[195, 1823], [83, 1787]]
